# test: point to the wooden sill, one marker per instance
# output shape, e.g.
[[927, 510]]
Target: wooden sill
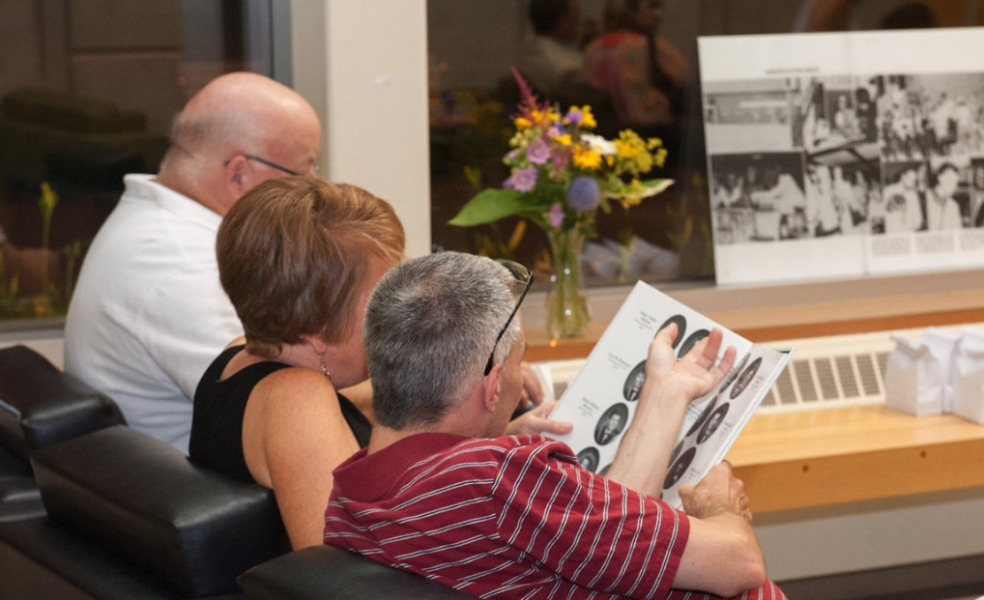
[[824, 457], [793, 311]]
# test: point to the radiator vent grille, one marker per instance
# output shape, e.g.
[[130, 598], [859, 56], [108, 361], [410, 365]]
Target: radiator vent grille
[[834, 371]]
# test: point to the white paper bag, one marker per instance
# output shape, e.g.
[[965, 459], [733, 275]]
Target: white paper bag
[[913, 378], [941, 343], [968, 374]]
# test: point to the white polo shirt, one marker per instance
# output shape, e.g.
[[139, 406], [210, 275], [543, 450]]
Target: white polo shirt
[[148, 314]]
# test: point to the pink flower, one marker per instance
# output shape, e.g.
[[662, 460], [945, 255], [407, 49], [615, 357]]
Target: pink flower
[[559, 159], [522, 180], [556, 215], [538, 152]]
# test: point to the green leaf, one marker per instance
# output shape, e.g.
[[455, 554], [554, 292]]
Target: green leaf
[[490, 205], [655, 186]]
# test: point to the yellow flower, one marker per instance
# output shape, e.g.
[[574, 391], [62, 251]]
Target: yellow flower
[[660, 157], [523, 123], [585, 158], [563, 140], [49, 198], [626, 149], [587, 119]]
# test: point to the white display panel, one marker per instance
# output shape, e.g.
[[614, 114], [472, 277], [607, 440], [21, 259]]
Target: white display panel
[[844, 154]]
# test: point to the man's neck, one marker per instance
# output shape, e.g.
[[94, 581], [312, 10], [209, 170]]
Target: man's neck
[[383, 437], [453, 424]]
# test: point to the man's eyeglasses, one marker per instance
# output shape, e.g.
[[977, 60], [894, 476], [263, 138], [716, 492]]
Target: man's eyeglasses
[[524, 276], [266, 162]]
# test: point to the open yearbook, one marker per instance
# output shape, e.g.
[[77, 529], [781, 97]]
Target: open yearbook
[[601, 399]]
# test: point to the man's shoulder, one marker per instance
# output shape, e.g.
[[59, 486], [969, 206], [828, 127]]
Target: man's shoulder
[[512, 443], [507, 451], [144, 195]]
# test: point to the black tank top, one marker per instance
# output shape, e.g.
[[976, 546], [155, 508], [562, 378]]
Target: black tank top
[[219, 407]]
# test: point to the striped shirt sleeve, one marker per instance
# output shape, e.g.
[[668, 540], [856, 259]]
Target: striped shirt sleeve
[[590, 531]]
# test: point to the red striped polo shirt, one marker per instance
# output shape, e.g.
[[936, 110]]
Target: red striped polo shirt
[[510, 517]]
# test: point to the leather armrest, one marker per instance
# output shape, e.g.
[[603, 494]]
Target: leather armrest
[[192, 528], [41, 405], [329, 572]]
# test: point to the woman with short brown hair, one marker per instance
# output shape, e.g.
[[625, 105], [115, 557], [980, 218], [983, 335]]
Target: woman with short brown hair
[[298, 258]]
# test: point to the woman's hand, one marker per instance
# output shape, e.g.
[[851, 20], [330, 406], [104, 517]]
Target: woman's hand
[[535, 421], [532, 394]]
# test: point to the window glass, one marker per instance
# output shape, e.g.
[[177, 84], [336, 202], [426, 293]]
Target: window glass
[[87, 93], [635, 62]]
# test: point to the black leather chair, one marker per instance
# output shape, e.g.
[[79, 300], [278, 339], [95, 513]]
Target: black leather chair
[[128, 516], [39, 405], [328, 572]]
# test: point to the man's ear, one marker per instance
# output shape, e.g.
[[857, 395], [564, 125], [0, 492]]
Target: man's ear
[[236, 178], [491, 387]]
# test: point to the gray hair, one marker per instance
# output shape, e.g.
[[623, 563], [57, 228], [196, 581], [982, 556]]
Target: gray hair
[[430, 326], [194, 131]]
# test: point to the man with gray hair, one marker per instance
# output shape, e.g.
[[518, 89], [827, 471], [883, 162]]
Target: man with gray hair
[[148, 314], [437, 492]]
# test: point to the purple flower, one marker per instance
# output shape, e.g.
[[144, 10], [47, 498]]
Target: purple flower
[[522, 180], [556, 215], [584, 193], [538, 152], [559, 159], [573, 116]]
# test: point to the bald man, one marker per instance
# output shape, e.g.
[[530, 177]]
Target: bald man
[[148, 314]]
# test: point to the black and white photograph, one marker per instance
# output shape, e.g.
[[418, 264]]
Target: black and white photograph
[[633, 383], [679, 467], [947, 198], [588, 458], [975, 203], [692, 340], [612, 422], [681, 323], [705, 412], [713, 422], [758, 197], [901, 207], [745, 378], [923, 116]]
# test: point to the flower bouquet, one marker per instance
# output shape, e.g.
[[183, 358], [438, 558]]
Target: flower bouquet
[[560, 175]]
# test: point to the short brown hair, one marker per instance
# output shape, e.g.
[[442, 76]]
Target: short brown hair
[[294, 254]]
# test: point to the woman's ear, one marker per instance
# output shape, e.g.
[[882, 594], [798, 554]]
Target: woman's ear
[[317, 345]]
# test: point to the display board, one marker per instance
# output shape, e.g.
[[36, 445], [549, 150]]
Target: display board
[[844, 154]]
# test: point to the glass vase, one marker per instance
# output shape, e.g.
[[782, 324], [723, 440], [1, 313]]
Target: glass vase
[[567, 310]]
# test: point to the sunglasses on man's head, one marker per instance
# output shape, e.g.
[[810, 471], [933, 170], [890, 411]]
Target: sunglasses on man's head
[[524, 276]]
